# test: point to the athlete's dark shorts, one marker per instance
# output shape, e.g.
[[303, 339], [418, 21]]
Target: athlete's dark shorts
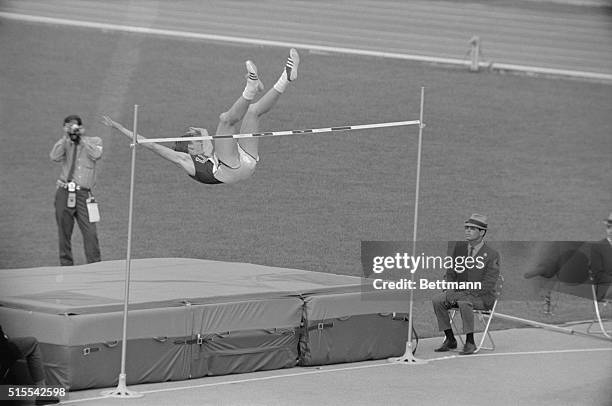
[[204, 170]]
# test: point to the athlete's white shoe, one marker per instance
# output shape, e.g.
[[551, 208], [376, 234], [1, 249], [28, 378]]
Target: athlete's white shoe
[[292, 64], [253, 81]]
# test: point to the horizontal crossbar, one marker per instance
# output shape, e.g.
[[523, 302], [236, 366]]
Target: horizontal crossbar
[[288, 132]]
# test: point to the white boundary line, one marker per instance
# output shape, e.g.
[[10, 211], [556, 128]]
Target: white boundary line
[[225, 38], [357, 367], [501, 354], [312, 47]]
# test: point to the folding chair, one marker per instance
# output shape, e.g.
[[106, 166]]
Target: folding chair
[[597, 302], [484, 315]]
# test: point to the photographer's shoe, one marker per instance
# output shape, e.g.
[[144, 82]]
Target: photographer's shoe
[[447, 345]]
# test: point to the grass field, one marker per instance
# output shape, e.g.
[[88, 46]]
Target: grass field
[[531, 153]]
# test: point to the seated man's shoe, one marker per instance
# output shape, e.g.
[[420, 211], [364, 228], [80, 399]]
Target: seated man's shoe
[[468, 348], [447, 345]]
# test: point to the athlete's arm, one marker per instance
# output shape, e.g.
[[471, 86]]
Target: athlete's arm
[[181, 159]]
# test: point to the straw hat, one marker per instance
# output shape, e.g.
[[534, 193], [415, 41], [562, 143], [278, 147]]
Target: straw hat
[[478, 221]]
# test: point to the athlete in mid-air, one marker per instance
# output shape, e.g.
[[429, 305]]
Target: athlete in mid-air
[[225, 160]]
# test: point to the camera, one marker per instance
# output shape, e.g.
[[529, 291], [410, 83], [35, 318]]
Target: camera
[[74, 132]]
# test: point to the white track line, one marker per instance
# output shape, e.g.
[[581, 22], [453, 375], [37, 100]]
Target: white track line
[[358, 367], [501, 354], [312, 47]]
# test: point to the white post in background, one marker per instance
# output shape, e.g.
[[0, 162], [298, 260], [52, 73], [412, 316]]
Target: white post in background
[[122, 391], [408, 357], [475, 53]]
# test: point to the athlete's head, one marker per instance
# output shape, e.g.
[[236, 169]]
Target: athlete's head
[[195, 147]]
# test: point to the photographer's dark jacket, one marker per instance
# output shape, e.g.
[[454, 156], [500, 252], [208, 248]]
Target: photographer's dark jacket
[[88, 151]]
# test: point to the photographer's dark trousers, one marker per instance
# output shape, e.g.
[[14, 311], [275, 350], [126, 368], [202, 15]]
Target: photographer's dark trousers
[[65, 223]]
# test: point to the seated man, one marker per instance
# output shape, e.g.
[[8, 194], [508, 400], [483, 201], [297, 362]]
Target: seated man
[[601, 263], [485, 269], [12, 349]]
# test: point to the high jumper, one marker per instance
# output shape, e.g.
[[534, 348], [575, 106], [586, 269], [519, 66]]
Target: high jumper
[[225, 159]]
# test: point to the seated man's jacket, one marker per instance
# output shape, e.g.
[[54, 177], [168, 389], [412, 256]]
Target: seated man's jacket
[[487, 274]]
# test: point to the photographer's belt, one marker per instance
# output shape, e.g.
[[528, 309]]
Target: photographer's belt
[[65, 185]]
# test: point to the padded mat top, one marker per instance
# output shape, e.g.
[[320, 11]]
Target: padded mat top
[[157, 282]]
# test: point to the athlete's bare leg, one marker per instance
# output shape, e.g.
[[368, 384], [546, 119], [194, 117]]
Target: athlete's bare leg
[[250, 122], [227, 149]]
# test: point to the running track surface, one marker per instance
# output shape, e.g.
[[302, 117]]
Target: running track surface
[[550, 34]]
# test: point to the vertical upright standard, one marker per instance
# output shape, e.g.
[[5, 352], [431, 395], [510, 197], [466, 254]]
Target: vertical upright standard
[[408, 357], [122, 391]]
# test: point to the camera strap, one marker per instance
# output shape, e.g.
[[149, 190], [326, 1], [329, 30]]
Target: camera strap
[[71, 171]]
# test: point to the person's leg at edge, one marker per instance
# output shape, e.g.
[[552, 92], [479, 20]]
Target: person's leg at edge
[[250, 123], [30, 349], [227, 149]]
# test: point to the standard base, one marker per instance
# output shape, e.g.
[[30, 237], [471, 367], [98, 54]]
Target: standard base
[[407, 358], [121, 391]]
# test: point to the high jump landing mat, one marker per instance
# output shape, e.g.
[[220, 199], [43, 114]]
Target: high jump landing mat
[[190, 318]]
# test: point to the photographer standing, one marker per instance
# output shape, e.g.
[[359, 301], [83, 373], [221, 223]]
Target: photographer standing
[[78, 154]]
